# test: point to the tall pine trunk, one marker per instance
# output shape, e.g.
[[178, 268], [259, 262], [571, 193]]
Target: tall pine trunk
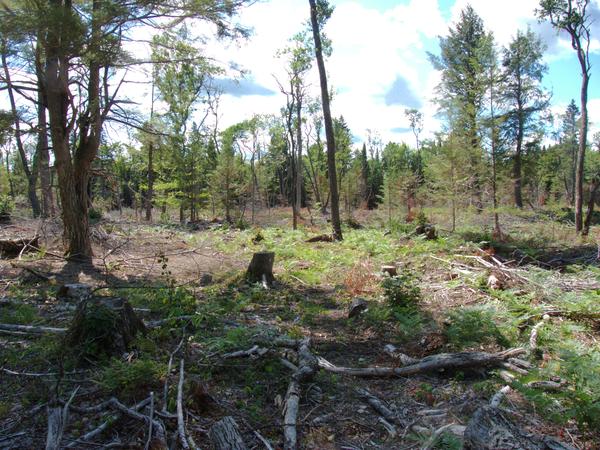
[[30, 172], [335, 201]]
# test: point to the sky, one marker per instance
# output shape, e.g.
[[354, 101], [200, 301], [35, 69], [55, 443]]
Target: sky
[[379, 65]]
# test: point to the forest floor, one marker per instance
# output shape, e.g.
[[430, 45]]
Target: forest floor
[[442, 301]]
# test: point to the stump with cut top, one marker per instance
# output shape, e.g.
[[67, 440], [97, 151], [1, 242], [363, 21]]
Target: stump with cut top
[[260, 269], [103, 326]]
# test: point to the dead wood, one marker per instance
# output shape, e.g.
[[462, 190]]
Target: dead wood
[[377, 405], [225, 435], [307, 367], [103, 325], [321, 238], [260, 269], [442, 361], [391, 270], [180, 420], [32, 329], [58, 417], [159, 441], [357, 307], [491, 429], [254, 351], [405, 360], [18, 246]]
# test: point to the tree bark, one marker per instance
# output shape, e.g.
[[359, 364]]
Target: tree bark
[[335, 201], [73, 171], [42, 143], [30, 174], [579, 175], [590, 207]]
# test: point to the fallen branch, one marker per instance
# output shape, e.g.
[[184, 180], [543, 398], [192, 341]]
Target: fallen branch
[[405, 360], [254, 351], [32, 329], [57, 421], [431, 363], [499, 396], [377, 405], [307, 367], [534, 332], [104, 425], [180, 421]]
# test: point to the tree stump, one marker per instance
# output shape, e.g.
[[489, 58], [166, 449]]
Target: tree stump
[[103, 326], [427, 230], [491, 429], [14, 247], [261, 268], [225, 435], [357, 307], [391, 270], [74, 291]]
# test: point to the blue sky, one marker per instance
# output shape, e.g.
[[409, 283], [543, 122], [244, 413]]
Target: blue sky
[[379, 65]]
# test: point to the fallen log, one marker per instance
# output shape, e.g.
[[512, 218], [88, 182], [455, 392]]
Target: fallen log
[[225, 435], [18, 246], [491, 429], [32, 329], [377, 405], [321, 238], [431, 363]]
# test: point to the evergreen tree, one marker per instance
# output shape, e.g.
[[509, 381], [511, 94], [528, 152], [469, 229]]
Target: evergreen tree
[[524, 97], [462, 62]]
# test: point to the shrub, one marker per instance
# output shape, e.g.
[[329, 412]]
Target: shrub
[[131, 377], [6, 207], [401, 290], [471, 326]]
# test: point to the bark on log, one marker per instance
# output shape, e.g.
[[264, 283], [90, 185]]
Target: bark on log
[[261, 268], [14, 247], [491, 429], [225, 435], [321, 238], [428, 364]]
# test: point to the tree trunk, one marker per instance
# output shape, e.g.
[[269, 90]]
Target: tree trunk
[[590, 207], [42, 143], [579, 175], [335, 202], [298, 198], [150, 189], [517, 170], [30, 174], [73, 171]]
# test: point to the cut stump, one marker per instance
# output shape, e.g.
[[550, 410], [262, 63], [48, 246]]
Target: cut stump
[[225, 435], [103, 326], [261, 268], [491, 429]]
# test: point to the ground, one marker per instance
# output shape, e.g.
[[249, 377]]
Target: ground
[[440, 302]]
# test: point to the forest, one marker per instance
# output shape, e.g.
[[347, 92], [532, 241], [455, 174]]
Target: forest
[[174, 279]]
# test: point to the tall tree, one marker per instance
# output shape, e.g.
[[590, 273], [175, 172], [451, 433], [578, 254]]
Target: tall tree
[[462, 89], [523, 95], [30, 169], [83, 46], [320, 11], [573, 17]]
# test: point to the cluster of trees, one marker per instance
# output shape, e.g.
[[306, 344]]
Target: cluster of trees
[[64, 70]]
